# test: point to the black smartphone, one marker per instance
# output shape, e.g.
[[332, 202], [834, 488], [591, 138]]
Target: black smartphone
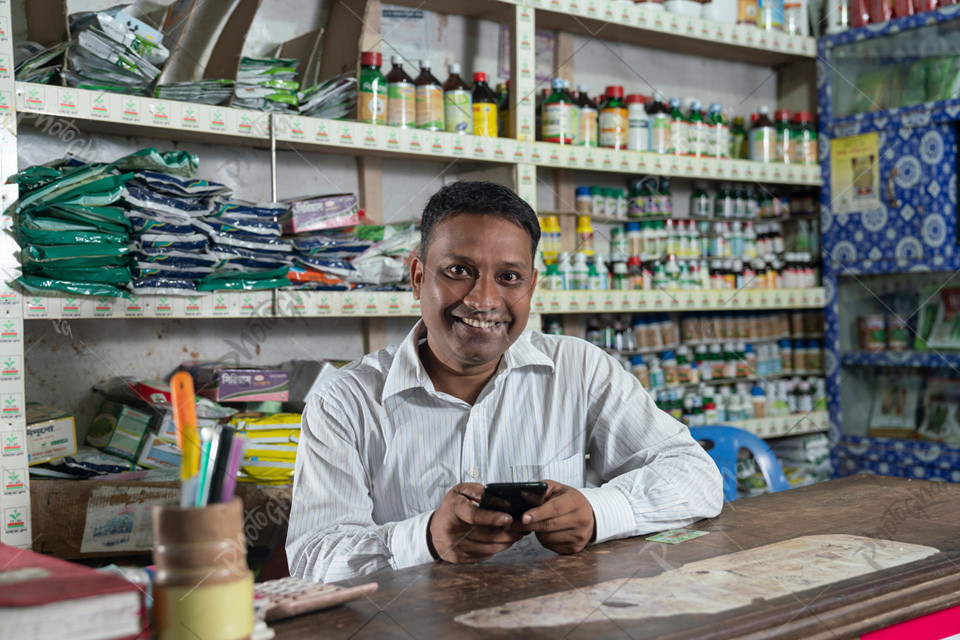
[[514, 498]]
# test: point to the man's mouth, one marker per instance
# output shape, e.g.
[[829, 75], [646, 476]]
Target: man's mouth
[[479, 324]]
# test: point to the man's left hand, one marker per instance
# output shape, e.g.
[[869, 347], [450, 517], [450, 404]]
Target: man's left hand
[[564, 522]]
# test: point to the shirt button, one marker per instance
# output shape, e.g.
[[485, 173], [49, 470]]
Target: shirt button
[[475, 474]]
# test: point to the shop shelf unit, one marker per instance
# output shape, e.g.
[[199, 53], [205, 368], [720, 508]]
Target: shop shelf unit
[[49, 107], [889, 228]]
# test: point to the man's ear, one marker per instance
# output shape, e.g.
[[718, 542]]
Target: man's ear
[[416, 275]]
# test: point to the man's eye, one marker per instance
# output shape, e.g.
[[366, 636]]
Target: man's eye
[[458, 270], [511, 276]]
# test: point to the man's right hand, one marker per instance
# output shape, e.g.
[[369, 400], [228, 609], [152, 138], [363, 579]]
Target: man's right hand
[[462, 532]]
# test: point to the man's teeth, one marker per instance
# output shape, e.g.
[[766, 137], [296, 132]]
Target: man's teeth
[[478, 323]]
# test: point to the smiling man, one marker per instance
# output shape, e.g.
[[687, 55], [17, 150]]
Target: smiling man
[[395, 450]]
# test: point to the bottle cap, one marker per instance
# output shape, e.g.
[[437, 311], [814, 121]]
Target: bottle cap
[[696, 105], [782, 114], [636, 361], [479, 76], [633, 226], [636, 98], [424, 64], [583, 191], [803, 116], [454, 69], [614, 91], [582, 88], [396, 59], [557, 83], [667, 355], [763, 109], [371, 58]]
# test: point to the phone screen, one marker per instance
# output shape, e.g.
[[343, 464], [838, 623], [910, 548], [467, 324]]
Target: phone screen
[[514, 498]]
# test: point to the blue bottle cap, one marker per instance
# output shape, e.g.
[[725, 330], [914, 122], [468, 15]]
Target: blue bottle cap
[[636, 360], [583, 191]]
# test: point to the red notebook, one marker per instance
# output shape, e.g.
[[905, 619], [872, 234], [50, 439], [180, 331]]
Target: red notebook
[[43, 597]]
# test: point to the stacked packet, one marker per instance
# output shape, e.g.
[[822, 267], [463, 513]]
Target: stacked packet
[[245, 238], [113, 51], [213, 92], [267, 84], [171, 254], [36, 63], [72, 239], [334, 98], [271, 446]]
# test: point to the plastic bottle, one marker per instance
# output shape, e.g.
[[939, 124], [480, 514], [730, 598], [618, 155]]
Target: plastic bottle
[[588, 134], [584, 202], [574, 112], [748, 12], [668, 362], [718, 133], [678, 129], [619, 245], [804, 145], [503, 111], [614, 119], [550, 238], [763, 137], [655, 373], [484, 107], [666, 197], [683, 365], [557, 119], [738, 138], [785, 136], [457, 103], [638, 135], [401, 96], [696, 131], [579, 272], [659, 113], [771, 15], [584, 235], [597, 274], [429, 99], [700, 201], [639, 369], [372, 90], [565, 269]]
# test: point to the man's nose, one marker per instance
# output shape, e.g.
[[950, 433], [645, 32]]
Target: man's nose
[[484, 294]]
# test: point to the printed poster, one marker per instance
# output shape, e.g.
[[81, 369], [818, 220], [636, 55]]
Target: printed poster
[[855, 174]]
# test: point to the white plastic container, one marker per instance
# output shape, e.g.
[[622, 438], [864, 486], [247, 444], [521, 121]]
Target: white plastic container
[[690, 8]]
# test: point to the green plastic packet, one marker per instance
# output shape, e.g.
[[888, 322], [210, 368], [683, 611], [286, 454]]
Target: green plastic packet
[[50, 231], [67, 183], [231, 279], [915, 84], [109, 219], [116, 275], [942, 79], [178, 163], [90, 253], [97, 193], [39, 284], [35, 177]]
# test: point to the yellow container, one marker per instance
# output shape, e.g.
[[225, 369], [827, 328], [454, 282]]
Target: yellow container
[[203, 588]]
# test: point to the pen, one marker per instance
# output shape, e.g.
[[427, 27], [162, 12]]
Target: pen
[[210, 438], [185, 418]]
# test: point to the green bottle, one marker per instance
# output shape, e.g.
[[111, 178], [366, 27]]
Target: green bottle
[[372, 92], [738, 138]]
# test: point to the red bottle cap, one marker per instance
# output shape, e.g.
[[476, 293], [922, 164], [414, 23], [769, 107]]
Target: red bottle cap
[[614, 91], [371, 58], [782, 114], [633, 261], [803, 116], [636, 98], [479, 76]]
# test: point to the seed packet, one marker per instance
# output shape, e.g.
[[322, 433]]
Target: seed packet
[[238, 280], [159, 222], [176, 258], [116, 275], [43, 285], [180, 242], [179, 163], [163, 286]]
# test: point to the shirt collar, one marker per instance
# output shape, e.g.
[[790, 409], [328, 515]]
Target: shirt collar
[[407, 372]]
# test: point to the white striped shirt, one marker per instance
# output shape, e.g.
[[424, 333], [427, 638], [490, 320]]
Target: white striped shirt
[[380, 447]]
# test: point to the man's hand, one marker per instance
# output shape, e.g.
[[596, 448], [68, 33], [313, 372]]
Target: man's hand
[[564, 522], [462, 532]]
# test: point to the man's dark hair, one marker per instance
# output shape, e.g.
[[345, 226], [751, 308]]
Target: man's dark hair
[[484, 198]]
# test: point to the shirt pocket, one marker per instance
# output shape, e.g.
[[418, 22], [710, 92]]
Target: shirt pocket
[[568, 471]]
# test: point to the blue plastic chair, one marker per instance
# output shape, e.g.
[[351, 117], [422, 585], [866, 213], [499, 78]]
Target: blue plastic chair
[[723, 443]]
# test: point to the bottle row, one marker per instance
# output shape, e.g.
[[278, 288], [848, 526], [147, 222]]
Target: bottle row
[[424, 103], [790, 16], [652, 197], [676, 127], [710, 405], [583, 272]]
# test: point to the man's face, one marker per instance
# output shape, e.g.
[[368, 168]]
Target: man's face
[[474, 284]]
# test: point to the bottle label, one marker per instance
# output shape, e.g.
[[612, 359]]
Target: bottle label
[[696, 139], [804, 148], [588, 134], [771, 14], [660, 133], [485, 119], [430, 107], [784, 146], [401, 104], [763, 144], [678, 137], [720, 141], [747, 11], [558, 123], [457, 111], [372, 104], [613, 128], [638, 138]]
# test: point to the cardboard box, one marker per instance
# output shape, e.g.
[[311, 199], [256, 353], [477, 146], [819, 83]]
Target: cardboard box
[[224, 384], [158, 454], [100, 518], [119, 429], [320, 213], [51, 433]]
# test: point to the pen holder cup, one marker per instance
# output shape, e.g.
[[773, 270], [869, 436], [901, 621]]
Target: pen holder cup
[[203, 588]]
